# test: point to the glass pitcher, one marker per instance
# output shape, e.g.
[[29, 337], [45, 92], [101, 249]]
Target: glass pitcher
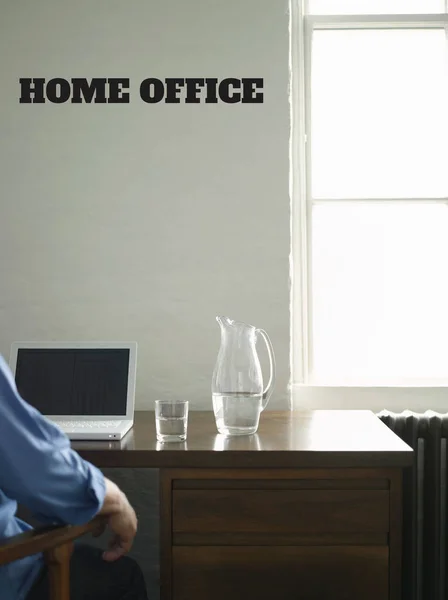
[[237, 384]]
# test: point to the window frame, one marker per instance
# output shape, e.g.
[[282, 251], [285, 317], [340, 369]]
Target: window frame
[[305, 393]]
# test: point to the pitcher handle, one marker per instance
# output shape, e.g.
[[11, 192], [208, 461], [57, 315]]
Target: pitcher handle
[[269, 388]]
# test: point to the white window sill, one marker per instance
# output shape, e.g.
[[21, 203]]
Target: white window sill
[[375, 398]]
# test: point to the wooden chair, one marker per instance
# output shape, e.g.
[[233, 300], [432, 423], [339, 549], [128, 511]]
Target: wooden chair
[[56, 544]]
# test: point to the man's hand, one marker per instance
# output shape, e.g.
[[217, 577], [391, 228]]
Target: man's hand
[[122, 521], [100, 530]]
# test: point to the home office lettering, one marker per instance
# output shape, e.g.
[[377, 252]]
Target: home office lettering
[[152, 90], [77, 91], [209, 90]]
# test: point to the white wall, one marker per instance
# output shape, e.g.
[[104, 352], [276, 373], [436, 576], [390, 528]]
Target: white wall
[[142, 222]]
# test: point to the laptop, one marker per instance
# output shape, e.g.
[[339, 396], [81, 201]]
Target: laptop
[[87, 388]]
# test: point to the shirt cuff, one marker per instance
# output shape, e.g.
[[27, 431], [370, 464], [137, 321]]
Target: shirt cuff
[[83, 509]]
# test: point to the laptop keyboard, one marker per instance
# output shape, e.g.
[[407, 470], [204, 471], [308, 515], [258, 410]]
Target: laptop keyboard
[[88, 424]]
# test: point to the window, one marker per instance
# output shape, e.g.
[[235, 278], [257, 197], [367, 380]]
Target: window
[[370, 201]]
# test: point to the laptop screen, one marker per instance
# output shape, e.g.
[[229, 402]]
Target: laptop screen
[[74, 382]]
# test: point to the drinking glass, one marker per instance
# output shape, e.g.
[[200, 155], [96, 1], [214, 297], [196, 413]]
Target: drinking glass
[[171, 420]]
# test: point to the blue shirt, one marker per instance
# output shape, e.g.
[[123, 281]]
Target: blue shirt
[[39, 470]]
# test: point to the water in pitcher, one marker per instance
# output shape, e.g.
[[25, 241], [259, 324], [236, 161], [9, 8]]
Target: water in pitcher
[[237, 413]]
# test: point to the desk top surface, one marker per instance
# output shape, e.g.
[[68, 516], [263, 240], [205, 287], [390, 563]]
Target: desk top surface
[[286, 439]]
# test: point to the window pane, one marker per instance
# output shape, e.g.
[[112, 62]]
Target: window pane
[[362, 7], [380, 291], [379, 113]]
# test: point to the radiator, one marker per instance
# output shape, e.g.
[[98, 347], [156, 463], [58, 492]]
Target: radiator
[[425, 527]]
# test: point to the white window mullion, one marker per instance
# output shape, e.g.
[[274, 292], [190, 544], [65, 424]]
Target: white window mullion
[[298, 176], [308, 206], [446, 37], [316, 201], [340, 22]]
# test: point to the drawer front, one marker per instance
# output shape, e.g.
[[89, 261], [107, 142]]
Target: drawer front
[[280, 511], [264, 573]]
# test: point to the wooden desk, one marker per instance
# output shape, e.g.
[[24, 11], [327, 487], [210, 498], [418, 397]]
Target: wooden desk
[[309, 507]]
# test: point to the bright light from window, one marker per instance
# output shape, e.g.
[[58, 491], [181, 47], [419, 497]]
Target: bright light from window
[[379, 114], [380, 292]]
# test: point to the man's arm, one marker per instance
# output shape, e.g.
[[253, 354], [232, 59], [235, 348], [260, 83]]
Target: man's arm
[[39, 469]]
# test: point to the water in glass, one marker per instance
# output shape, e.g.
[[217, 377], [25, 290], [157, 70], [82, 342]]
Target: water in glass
[[171, 429]]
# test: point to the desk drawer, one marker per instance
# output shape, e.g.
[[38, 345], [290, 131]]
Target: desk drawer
[[280, 511], [264, 573]]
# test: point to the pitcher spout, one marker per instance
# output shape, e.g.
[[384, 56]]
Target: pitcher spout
[[224, 322], [228, 324]]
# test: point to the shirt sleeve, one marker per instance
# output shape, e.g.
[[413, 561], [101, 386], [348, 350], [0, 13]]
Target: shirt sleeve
[[38, 468]]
